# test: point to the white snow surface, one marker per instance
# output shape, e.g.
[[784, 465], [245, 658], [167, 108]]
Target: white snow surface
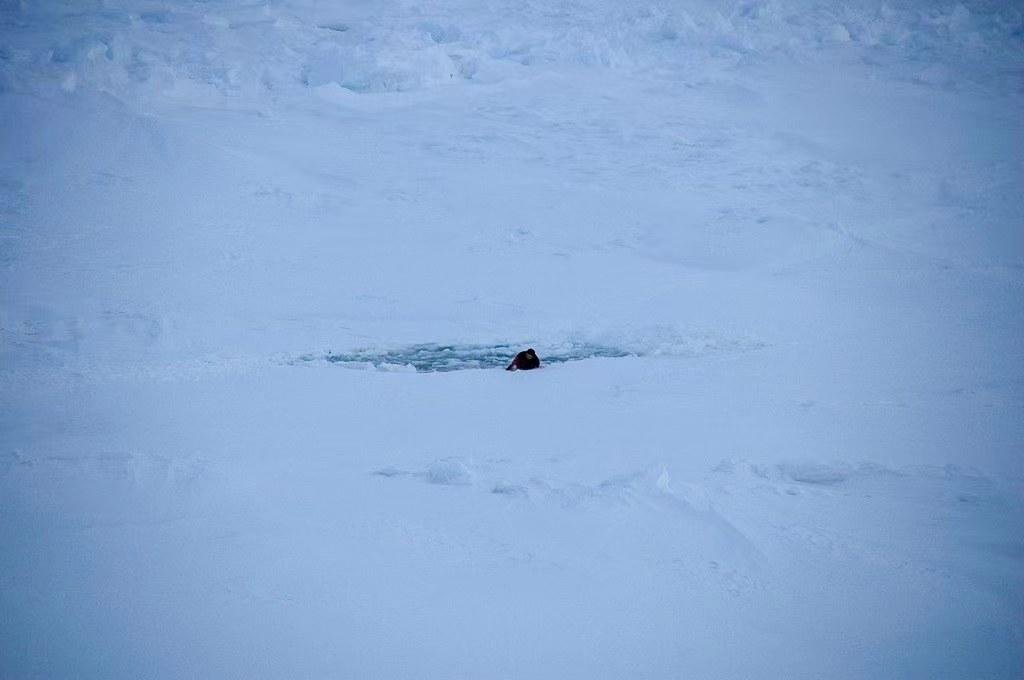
[[260, 265]]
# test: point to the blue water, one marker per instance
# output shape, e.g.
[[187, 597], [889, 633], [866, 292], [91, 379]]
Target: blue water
[[432, 358]]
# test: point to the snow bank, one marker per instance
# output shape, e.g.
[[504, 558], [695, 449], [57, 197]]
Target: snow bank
[[214, 50]]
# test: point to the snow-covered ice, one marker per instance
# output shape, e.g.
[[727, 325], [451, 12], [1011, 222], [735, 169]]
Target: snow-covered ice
[[770, 252]]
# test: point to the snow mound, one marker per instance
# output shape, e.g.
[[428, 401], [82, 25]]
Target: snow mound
[[221, 49], [448, 472]]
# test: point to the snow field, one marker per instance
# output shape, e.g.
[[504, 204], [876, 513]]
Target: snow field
[[770, 253]]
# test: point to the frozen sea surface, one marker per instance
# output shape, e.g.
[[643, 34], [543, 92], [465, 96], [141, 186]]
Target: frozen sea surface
[[770, 253]]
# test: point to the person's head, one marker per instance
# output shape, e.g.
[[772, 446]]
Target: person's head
[[531, 352]]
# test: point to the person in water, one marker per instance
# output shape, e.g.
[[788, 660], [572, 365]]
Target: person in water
[[525, 361]]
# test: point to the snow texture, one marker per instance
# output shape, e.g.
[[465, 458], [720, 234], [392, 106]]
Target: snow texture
[[770, 253]]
